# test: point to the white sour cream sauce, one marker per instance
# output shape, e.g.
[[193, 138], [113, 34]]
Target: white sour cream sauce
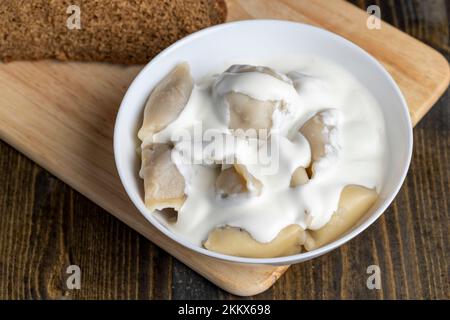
[[357, 154]]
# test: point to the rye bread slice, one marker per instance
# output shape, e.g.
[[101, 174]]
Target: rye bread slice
[[118, 31]]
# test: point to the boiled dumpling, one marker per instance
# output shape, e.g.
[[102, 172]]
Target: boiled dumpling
[[248, 113], [299, 177], [317, 130], [253, 185], [353, 203], [163, 183], [238, 242], [235, 180], [230, 182], [167, 100]]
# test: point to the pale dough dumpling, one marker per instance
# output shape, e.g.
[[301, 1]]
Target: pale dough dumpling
[[317, 132], [252, 184], [237, 242], [235, 180], [163, 183], [353, 203], [167, 100], [299, 177], [314, 131], [248, 113], [230, 182]]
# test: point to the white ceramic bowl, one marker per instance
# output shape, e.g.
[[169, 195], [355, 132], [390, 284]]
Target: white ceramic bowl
[[212, 47]]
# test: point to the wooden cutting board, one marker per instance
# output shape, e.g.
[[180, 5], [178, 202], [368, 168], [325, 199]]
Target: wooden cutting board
[[61, 115]]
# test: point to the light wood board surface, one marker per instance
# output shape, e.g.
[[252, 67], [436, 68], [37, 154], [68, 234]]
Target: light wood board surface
[[61, 115]]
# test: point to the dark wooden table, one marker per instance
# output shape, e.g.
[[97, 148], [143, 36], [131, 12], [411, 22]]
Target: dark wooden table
[[45, 226]]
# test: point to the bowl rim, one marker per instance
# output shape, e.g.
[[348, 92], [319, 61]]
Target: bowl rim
[[277, 260]]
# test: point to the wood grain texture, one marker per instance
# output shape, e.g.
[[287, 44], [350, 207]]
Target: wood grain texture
[[45, 225], [69, 133], [409, 67]]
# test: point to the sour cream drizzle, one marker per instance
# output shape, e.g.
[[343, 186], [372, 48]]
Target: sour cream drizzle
[[356, 154]]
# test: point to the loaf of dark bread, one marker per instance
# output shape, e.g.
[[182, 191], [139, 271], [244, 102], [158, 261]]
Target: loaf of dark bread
[[118, 31]]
